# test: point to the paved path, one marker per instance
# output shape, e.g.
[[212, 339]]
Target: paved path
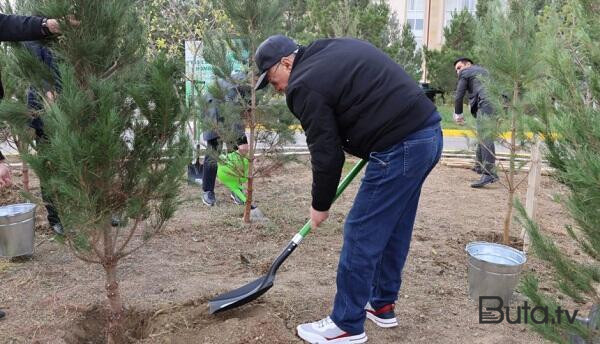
[[453, 140]]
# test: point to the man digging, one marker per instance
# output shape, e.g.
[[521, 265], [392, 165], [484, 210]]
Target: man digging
[[350, 96]]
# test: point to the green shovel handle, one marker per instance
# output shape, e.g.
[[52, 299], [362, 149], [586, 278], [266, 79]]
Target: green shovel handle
[[341, 187]]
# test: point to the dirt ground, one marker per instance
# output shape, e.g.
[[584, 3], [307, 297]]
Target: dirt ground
[[55, 298]]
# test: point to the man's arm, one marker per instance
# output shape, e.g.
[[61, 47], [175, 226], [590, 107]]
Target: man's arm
[[327, 157], [461, 89], [20, 28]]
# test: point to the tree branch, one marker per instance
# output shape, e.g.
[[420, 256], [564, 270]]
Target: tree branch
[[131, 233]]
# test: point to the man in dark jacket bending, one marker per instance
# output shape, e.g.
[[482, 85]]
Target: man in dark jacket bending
[[469, 82], [349, 96]]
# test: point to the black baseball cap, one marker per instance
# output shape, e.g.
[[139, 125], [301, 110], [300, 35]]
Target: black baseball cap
[[269, 53], [462, 58]]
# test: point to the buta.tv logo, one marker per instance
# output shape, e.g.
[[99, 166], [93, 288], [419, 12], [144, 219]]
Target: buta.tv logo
[[522, 315]]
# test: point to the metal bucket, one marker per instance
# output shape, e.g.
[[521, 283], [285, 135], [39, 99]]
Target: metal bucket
[[17, 223], [493, 271]]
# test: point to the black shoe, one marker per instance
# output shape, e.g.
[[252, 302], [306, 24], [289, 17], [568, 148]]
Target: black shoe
[[208, 198], [485, 180], [236, 199], [477, 169], [2, 315], [58, 229]]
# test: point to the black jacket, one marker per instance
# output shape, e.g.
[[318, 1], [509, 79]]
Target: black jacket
[[469, 82], [349, 95], [18, 28]]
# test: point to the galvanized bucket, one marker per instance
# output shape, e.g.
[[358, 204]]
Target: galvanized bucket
[[493, 271], [17, 223]]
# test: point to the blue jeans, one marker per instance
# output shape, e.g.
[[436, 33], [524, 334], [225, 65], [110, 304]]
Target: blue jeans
[[378, 229]]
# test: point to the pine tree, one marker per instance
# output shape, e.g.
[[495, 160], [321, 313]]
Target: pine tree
[[346, 21], [404, 50], [514, 71], [372, 21], [568, 104], [482, 7], [263, 113], [324, 19], [115, 148]]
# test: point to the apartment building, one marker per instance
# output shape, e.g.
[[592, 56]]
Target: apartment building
[[427, 18]]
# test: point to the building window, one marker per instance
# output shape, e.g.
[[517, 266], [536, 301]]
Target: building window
[[415, 17], [455, 6]]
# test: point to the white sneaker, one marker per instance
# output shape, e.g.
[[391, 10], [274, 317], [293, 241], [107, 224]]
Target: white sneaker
[[326, 331]]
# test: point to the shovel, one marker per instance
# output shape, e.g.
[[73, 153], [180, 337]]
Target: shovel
[[252, 290], [195, 169], [194, 174]]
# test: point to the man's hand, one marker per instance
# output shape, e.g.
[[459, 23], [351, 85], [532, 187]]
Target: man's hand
[[54, 26], [51, 96], [316, 217], [5, 178], [459, 118]]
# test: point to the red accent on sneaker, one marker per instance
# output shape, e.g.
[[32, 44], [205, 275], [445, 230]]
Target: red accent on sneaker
[[384, 309], [345, 334]]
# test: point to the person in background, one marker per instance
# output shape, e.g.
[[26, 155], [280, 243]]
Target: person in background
[[214, 141], [50, 90], [21, 28], [469, 83]]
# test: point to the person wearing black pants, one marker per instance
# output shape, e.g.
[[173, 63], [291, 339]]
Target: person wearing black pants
[[214, 142], [33, 103], [209, 174], [469, 82]]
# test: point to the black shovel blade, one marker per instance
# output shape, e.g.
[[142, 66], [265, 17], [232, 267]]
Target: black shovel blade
[[194, 173], [241, 296], [252, 290]]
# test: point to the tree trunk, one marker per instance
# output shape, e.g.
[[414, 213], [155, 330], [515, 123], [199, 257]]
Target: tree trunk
[[250, 190], [248, 208], [511, 170], [25, 172], [508, 217], [511, 186], [114, 329], [24, 166], [251, 151]]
